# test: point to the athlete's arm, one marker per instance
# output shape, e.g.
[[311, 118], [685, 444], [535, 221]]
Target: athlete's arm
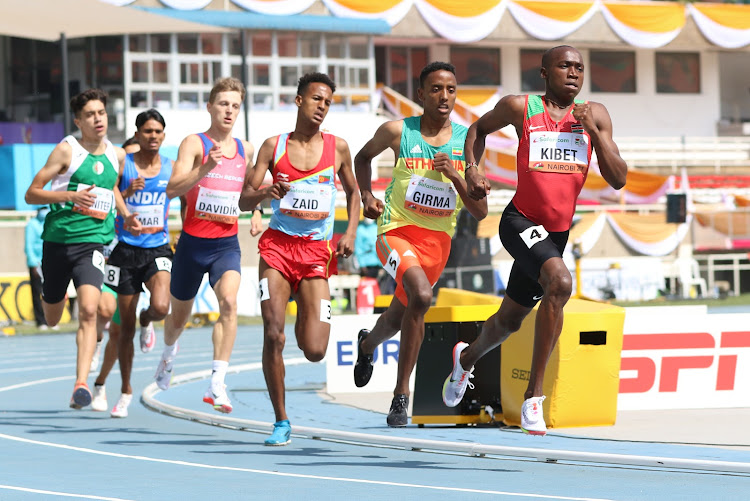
[[131, 222], [251, 195], [597, 122], [388, 135], [58, 161], [188, 169], [444, 165], [345, 246]]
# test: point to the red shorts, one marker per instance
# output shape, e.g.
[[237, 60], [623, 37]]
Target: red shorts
[[408, 246], [296, 257]]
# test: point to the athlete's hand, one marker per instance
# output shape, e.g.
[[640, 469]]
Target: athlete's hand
[[136, 184], [476, 184], [373, 207], [345, 247], [83, 198], [133, 224], [585, 115], [256, 224], [444, 165], [214, 156], [278, 190]]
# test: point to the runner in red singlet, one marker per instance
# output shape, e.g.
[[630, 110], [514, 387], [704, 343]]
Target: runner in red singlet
[[556, 134], [209, 172]]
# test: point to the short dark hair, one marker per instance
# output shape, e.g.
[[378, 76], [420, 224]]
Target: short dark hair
[[129, 141], [314, 77], [147, 115], [433, 67], [548, 54], [80, 100]]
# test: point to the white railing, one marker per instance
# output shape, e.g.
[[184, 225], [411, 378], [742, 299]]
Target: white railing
[[685, 151]]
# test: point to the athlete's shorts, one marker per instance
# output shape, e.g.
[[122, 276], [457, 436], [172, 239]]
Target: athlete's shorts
[[130, 266], [195, 256], [297, 257], [401, 248], [83, 262], [109, 290], [531, 245], [106, 289]]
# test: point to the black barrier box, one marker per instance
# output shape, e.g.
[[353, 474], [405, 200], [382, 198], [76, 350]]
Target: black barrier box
[[435, 363]]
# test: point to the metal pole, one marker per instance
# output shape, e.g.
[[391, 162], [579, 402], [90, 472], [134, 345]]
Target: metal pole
[[243, 54], [65, 88]]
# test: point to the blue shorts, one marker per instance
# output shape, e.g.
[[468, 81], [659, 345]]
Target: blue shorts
[[195, 256]]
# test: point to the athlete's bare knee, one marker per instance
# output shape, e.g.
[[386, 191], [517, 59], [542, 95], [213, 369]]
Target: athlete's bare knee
[[274, 341], [228, 306], [421, 299], [558, 287], [314, 354], [87, 312]]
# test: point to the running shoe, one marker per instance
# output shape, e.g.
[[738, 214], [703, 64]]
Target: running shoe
[[218, 398], [363, 367], [282, 434], [397, 415], [148, 337], [96, 357], [532, 416], [459, 379], [120, 410], [99, 402], [163, 374], [81, 396]]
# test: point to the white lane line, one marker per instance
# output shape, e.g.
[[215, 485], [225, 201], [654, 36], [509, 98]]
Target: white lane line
[[36, 382], [292, 475], [57, 493]]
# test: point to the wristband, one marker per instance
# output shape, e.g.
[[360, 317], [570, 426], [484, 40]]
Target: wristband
[[470, 165]]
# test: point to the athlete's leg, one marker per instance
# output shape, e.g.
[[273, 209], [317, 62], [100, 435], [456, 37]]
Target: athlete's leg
[[226, 289], [557, 283], [110, 353], [419, 293], [128, 305], [313, 326], [175, 322], [158, 286], [105, 310], [386, 326], [275, 292], [88, 301], [53, 311]]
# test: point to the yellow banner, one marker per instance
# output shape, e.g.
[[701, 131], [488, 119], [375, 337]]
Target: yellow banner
[[368, 6], [661, 17], [566, 12], [729, 16], [464, 9]]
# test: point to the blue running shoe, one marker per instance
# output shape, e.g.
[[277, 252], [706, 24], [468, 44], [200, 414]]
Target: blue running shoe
[[282, 434]]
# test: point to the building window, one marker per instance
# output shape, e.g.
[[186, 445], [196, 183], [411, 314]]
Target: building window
[[476, 66], [678, 73], [531, 66], [612, 71]]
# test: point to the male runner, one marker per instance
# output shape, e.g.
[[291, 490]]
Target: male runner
[[81, 221], [142, 255], [296, 255], [556, 133], [416, 222], [210, 171]]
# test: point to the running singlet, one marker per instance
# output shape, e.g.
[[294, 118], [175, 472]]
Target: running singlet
[[212, 204], [308, 208], [552, 164], [418, 194], [151, 204], [71, 224]]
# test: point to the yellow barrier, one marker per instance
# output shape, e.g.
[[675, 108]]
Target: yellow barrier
[[15, 300]]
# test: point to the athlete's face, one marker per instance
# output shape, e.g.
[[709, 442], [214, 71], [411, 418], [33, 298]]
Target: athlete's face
[[92, 120], [150, 136], [315, 102], [438, 94], [224, 109], [564, 74]]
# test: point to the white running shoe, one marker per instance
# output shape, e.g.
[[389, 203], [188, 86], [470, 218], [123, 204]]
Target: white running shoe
[[532, 416], [95, 359], [99, 402], [218, 398], [456, 383], [148, 338], [120, 410], [163, 374]]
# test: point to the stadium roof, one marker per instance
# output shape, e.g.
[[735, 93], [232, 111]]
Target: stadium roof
[[297, 22]]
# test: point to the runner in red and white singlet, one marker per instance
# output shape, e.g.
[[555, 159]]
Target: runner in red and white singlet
[[556, 136]]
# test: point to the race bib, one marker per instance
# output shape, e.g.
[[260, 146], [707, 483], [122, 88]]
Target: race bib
[[263, 291], [307, 201], [217, 205], [102, 203], [112, 275], [392, 263], [429, 197], [150, 216], [533, 235], [163, 264], [561, 152], [97, 259]]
